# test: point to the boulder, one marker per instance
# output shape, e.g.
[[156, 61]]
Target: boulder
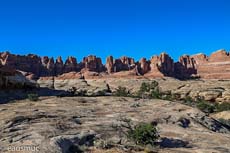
[[12, 79]]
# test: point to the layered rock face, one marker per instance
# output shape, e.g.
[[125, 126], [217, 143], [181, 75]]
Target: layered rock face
[[92, 63], [29, 63], [217, 66], [185, 67]]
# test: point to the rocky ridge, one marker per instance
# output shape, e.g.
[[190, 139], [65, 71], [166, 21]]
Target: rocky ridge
[[217, 66]]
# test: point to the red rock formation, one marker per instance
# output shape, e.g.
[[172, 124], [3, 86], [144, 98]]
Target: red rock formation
[[144, 66], [124, 64], [92, 63], [70, 64], [200, 58], [219, 56], [217, 66], [48, 66], [187, 62], [155, 65], [127, 60], [59, 66], [29, 63], [4, 57], [109, 64], [162, 65], [167, 66], [186, 67]]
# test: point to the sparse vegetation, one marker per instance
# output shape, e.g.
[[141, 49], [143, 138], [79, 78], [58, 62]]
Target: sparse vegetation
[[188, 100], [33, 97], [222, 107], [152, 91], [205, 106], [149, 90], [122, 92], [143, 134]]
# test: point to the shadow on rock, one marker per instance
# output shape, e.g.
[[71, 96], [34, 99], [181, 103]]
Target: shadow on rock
[[7, 96], [173, 143]]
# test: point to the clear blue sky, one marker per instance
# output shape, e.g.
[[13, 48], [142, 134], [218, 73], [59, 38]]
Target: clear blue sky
[[137, 28]]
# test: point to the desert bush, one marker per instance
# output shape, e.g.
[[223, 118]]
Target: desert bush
[[143, 134], [150, 90], [156, 94], [205, 106], [122, 92], [188, 100], [145, 87], [222, 107], [33, 97]]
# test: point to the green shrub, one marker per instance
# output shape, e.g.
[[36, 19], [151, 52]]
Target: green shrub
[[222, 107], [155, 93], [206, 106], [144, 87], [168, 97], [143, 134], [151, 90], [122, 92], [154, 84], [188, 100], [33, 97]]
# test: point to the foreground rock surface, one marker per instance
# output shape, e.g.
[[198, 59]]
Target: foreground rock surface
[[65, 124]]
